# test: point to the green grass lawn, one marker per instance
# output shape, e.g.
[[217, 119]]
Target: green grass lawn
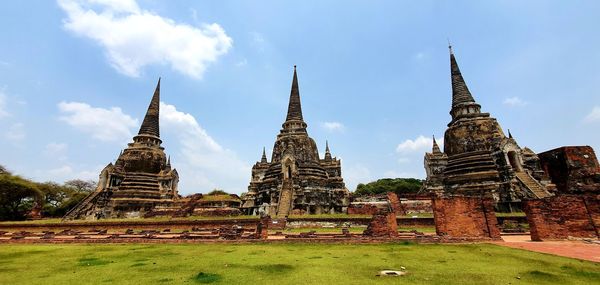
[[286, 264]]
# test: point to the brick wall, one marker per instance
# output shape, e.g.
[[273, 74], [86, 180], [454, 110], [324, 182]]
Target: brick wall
[[395, 203], [468, 217], [562, 216], [574, 169], [383, 224], [362, 209]]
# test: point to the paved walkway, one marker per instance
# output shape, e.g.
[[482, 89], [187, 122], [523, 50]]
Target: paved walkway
[[573, 249]]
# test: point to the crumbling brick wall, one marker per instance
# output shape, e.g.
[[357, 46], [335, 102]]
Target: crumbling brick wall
[[362, 209], [562, 216], [383, 224], [574, 169], [465, 217], [395, 204]]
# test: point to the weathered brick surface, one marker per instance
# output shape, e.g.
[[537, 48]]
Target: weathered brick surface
[[462, 216], [574, 169], [395, 203], [362, 209], [383, 224], [562, 216]]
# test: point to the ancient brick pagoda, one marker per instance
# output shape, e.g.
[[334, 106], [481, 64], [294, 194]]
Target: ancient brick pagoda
[[296, 180], [140, 180], [479, 158]]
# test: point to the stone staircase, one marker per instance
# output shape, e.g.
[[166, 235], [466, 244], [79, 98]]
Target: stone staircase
[[285, 199], [97, 198], [530, 183], [139, 185]]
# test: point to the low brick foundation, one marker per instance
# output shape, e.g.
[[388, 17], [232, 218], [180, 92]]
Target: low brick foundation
[[563, 216], [362, 209], [465, 217]]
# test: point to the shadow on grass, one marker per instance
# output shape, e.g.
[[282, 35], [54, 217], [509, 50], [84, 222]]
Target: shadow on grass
[[206, 278], [92, 261]]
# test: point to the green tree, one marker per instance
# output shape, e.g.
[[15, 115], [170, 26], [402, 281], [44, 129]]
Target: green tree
[[397, 185], [217, 192], [17, 197]]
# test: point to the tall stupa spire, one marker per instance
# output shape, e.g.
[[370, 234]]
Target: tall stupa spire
[[294, 123], [294, 107], [460, 91], [150, 125]]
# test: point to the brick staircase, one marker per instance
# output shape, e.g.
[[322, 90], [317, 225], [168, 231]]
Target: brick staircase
[[96, 198], [285, 199], [530, 183]]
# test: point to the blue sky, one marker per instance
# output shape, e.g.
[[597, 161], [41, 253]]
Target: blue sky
[[76, 78]]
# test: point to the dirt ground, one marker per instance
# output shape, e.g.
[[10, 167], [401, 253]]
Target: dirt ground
[[573, 249]]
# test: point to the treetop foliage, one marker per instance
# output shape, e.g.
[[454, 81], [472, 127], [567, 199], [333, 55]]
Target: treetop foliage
[[397, 185]]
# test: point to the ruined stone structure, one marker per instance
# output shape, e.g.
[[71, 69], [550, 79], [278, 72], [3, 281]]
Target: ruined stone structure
[[563, 216], [296, 180], [141, 178], [465, 217], [575, 210], [573, 169], [207, 205], [478, 158]]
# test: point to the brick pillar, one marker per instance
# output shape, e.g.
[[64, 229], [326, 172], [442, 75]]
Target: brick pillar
[[383, 224], [465, 217]]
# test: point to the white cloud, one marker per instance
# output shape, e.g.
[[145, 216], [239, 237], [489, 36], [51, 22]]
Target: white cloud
[[411, 151], [16, 132], [103, 124], [134, 38], [418, 145], [56, 151], [3, 111], [355, 174], [68, 172], [514, 102], [202, 163], [333, 126], [593, 116]]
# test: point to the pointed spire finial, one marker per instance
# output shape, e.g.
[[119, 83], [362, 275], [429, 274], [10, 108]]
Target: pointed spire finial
[[294, 107], [327, 152], [450, 46], [436, 147], [263, 159], [509, 134], [169, 161], [460, 91], [150, 125]]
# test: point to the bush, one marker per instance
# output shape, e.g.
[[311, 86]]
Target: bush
[[396, 185]]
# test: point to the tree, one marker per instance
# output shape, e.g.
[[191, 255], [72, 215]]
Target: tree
[[217, 192], [17, 197], [397, 185], [81, 186], [3, 170], [56, 198]]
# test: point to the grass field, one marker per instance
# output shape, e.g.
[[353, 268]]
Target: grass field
[[286, 264]]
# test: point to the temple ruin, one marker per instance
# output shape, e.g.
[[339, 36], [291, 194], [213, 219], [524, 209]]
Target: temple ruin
[[479, 159], [140, 180], [296, 180]]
